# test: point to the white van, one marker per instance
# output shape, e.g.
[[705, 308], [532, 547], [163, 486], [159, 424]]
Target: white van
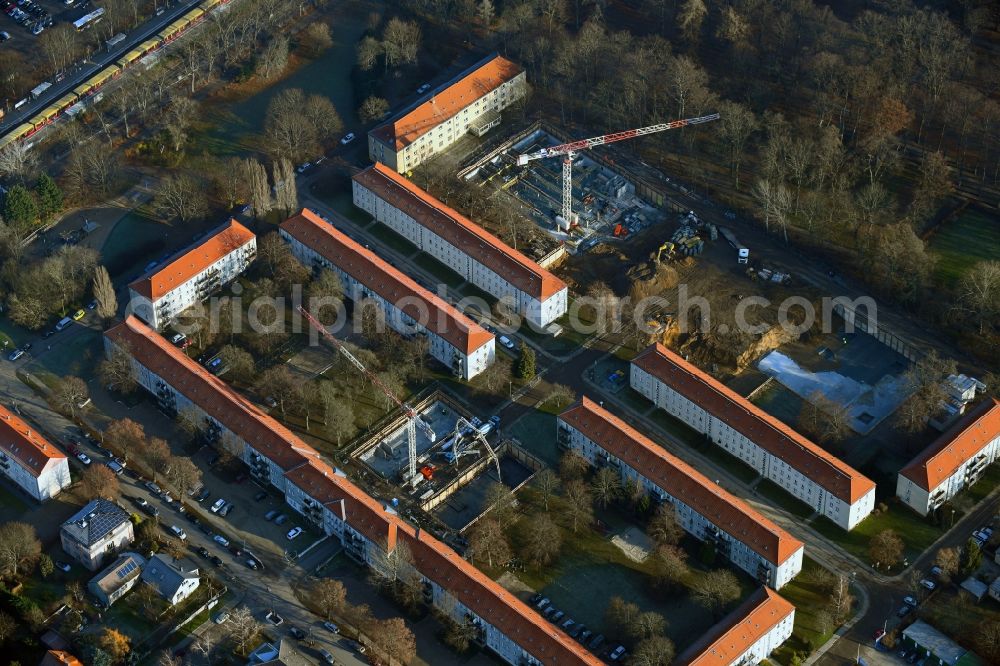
[[63, 323]]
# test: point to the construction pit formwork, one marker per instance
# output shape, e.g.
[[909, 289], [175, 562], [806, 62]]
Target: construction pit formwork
[[604, 197]]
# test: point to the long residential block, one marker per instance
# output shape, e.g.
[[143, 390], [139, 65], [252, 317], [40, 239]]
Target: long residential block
[[472, 100], [193, 274], [367, 529], [779, 453], [458, 342], [955, 460], [29, 460], [746, 636], [479, 257], [706, 511]]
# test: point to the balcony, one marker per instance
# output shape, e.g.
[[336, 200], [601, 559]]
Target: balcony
[[564, 439]]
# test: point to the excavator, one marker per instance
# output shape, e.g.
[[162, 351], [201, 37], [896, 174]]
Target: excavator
[[669, 247]]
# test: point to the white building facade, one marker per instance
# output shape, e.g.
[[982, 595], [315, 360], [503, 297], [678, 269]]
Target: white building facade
[[954, 461], [482, 259], [193, 275], [459, 343], [772, 449], [30, 461], [746, 538], [472, 100]]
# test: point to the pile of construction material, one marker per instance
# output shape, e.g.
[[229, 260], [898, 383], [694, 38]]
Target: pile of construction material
[[688, 242], [777, 277]]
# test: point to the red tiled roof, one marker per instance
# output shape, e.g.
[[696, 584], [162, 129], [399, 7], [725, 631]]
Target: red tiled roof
[[375, 273], [737, 632], [781, 441], [460, 231], [230, 236], [211, 394], [306, 470], [682, 481], [60, 658], [953, 448], [23, 443], [446, 103]]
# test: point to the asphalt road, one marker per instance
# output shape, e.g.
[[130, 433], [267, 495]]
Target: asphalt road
[[93, 64]]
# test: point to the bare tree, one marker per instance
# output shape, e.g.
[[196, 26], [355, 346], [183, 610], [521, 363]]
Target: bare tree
[[546, 482], [840, 599], [886, 548], [670, 566], [330, 596], [369, 50], [487, 540], [243, 628], [396, 639], [738, 123], [61, 45], [70, 394], [948, 559], [400, 42], [373, 108], [572, 466], [579, 505], [663, 527], [273, 59], [825, 419], [979, 291], [260, 191], [19, 548], [606, 486], [690, 19], [542, 541], [17, 160], [181, 196], [178, 119], [104, 294], [182, 474], [716, 590], [99, 481], [8, 627], [286, 197], [125, 437]]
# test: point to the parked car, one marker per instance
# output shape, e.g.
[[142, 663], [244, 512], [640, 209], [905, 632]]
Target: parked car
[[221, 540], [150, 509], [905, 610], [909, 601], [270, 515], [178, 532], [331, 627], [424, 88], [224, 511], [261, 496], [221, 617], [617, 653], [281, 519], [326, 656], [253, 564], [541, 602], [79, 314], [203, 551], [293, 533], [596, 642], [114, 466], [178, 338], [506, 342], [150, 486], [216, 560], [202, 496], [930, 585], [16, 354], [296, 633], [63, 566], [219, 503], [558, 615], [84, 458], [936, 571], [347, 138]]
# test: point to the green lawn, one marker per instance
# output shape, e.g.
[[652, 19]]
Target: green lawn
[[961, 243], [917, 533], [783, 498], [809, 599], [957, 615], [989, 482]]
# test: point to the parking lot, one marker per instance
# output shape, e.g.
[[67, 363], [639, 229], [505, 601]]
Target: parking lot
[[23, 18]]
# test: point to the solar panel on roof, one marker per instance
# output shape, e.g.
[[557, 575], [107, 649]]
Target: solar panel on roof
[[128, 568]]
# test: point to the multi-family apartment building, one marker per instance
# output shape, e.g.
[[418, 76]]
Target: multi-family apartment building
[[96, 532], [777, 452], [30, 461], [955, 460], [459, 343], [746, 636], [705, 510], [472, 101], [193, 274], [478, 256], [367, 529]]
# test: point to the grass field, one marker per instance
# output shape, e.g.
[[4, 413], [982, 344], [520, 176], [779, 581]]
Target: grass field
[[958, 245], [917, 533], [808, 600]]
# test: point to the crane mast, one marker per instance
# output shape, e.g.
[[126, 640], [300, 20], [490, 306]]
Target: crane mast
[[569, 151], [412, 418]]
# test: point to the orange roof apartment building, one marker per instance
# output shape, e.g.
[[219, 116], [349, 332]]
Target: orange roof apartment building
[[704, 509], [472, 101], [29, 460], [458, 342], [955, 460], [192, 274], [777, 452], [325, 497], [747, 635], [456, 241]]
